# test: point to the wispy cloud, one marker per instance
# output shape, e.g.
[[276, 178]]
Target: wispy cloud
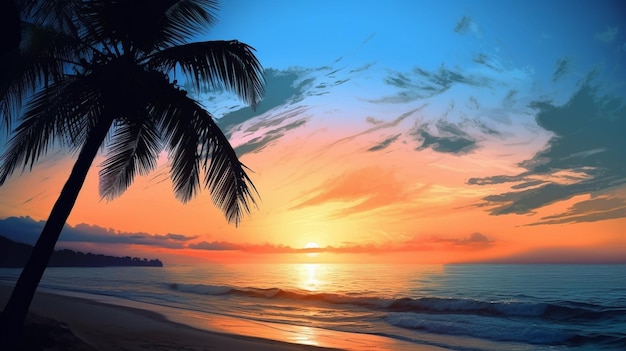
[[593, 210], [259, 143], [385, 143], [361, 190]]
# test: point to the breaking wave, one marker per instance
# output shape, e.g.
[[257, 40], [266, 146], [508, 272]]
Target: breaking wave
[[564, 311]]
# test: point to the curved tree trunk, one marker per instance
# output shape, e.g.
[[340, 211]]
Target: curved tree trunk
[[16, 309]]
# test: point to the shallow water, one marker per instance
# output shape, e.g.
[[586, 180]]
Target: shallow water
[[459, 307]]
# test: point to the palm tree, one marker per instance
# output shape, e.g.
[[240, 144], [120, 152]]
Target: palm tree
[[95, 74]]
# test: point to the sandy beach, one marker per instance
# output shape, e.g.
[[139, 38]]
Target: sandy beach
[[106, 327], [110, 327]]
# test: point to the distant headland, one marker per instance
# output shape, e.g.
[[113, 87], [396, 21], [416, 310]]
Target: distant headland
[[14, 255]]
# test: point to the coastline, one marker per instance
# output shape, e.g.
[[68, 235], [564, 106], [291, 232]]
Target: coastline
[[111, 326]]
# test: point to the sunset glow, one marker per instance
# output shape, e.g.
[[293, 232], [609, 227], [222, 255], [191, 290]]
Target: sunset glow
[[413, 135]]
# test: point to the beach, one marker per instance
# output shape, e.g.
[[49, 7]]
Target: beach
[[341, 307], [110, 327], [101, 326]]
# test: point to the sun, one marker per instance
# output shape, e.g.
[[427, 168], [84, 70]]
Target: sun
[[311, 246]]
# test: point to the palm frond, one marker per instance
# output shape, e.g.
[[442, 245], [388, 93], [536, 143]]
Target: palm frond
[[229, 65], [57, 114], [41, 60], [134, 148], [196, 143], [225, 176], [56, 13], [188, 18], [182, 138], [147, 25]]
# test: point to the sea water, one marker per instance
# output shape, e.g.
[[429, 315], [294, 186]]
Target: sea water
[[458, 307]]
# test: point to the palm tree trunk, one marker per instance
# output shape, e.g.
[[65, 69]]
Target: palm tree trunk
[[16, 309]]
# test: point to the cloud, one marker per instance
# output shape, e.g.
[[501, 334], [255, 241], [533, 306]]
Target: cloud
[[216, 246], [449, 138], [608, 35], [379, 125], [385, 143], [260, 142], [475, 241], [567, 255], [280, 87], [27, 230], [586, 155], [21, 229], [420, 84], [467, 25], [361, 190], [372, 120], [563, 65], [597, 209]]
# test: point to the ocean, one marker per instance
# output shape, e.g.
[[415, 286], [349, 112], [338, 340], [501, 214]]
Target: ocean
[[457, 307]]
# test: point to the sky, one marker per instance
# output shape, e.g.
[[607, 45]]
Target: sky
[[396, 131]]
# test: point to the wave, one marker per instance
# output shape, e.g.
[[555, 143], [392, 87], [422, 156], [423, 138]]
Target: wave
[[560, 311], [505, 330]]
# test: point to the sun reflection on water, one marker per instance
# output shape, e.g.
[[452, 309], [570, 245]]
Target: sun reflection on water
[[310, 279]]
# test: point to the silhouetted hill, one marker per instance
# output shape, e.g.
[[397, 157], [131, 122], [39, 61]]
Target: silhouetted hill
[[13, 255]]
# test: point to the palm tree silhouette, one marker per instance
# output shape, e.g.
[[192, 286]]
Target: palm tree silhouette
[[95, 74]]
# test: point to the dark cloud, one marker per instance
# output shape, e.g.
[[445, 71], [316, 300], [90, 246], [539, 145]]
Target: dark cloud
[[27, 230], [528, 184], [252, 248], [450, 138], [33, 197], [258, 143], [385, 143], [563, 65], [21, 229], [499, 179], [593, 210], [215, 246], [486, 129], [373, 120], [474, 240], [485, 60], [379, 125], [363, 68], [463, 26], [587, 155], [567, 255], [280, 87], [420, 84]]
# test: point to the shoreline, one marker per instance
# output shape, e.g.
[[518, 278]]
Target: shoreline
[[109, 323]]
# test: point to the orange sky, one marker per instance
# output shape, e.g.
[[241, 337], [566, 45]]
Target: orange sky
[[358, 208], [390, 143]]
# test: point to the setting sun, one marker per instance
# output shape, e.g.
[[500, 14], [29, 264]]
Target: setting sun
[[311, 245], [310, 249]]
